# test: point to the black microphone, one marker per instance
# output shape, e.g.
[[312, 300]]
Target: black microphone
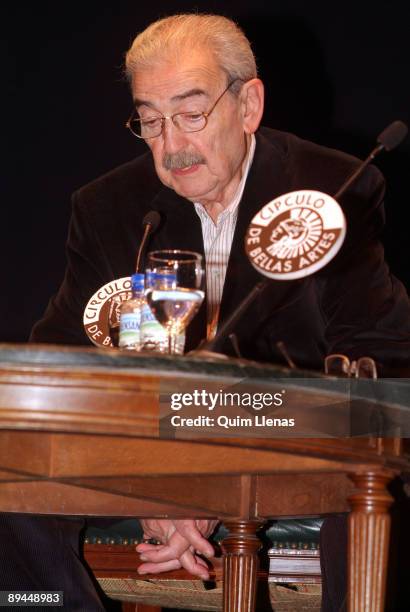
[[389, 139], [149, 223], [393, 135]]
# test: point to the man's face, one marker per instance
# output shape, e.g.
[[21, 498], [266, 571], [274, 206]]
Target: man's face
[[202, 166]]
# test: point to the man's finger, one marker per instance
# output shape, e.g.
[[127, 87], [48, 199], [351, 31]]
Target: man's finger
[[194, 565], [158, 568], [190, 532], [175, 547], [158, 529], [144, 546]]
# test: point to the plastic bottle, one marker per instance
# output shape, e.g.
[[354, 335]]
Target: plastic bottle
[[130, 316]]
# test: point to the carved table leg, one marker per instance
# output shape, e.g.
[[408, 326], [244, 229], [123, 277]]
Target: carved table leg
[[240, 549], [369, 529]]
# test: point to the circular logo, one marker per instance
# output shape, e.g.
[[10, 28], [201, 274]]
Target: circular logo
[[295, 235], [102, 315]]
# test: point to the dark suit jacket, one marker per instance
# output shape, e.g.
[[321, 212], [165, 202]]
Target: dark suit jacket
[[352, 306]]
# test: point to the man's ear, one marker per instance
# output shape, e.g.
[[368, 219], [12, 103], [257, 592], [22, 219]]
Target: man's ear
[[252, 100]]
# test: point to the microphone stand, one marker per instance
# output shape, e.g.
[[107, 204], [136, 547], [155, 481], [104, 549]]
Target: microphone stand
[[358, 172], [228, 326], [150, 223], [147, 231]]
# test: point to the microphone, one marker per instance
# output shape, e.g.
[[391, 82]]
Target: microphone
[[393, 135], [388, 140], [149, 223]]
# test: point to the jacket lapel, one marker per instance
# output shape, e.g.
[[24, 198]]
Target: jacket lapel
[[268, 178]]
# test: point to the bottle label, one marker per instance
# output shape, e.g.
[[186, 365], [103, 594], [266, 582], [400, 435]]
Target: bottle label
[[147, 315], [153, 336], [130, 326]]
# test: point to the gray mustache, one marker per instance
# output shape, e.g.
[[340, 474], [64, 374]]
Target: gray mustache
[[182, 159]]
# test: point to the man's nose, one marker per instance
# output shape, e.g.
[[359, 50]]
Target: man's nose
[[174, 139]]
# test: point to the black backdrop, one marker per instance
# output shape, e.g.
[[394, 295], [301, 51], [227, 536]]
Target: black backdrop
[[335, 73]]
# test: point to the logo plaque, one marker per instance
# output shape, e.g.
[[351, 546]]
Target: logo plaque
[[101, 315], [295, 235]]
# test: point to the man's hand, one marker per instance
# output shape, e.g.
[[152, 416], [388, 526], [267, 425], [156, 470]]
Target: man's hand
[[181, 540]]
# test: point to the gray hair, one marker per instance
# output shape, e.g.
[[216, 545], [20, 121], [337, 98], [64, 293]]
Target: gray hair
[[166, 38]]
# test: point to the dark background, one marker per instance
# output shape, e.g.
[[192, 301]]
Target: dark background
[[336, 73]]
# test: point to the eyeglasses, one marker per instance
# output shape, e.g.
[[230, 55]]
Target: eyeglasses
[[186, 122], [340, 365]]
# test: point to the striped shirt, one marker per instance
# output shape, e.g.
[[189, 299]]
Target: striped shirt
[[217, 245]]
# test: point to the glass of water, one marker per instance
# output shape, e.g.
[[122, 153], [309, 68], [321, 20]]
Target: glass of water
[[175, 297]]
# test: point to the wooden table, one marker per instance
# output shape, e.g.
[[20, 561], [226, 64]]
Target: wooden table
[[79, 435]]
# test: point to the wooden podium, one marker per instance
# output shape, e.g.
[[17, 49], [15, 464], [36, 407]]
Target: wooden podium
[[80, 435]]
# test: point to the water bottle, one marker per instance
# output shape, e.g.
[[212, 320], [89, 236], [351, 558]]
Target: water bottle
[[130, 316]]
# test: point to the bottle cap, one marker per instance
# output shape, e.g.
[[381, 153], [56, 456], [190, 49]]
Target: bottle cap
[[137, 282]]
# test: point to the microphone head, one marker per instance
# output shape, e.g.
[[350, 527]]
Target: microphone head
[[153, 219], [393, 135]]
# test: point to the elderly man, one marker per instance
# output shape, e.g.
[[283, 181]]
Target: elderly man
[[198, 104]]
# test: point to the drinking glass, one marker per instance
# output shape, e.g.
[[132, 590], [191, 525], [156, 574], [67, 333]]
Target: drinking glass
[[177, 292]]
